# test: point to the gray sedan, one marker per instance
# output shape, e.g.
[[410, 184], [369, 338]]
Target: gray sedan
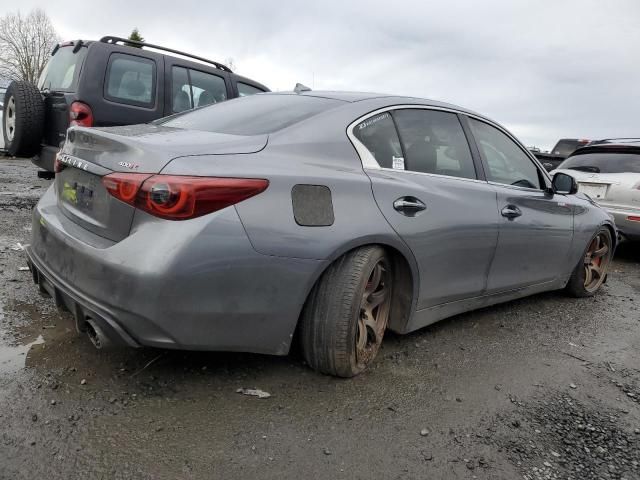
[[318, 217]]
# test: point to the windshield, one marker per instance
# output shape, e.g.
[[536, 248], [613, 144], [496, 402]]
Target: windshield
[[252, 115], [61, 72], [603, 162]]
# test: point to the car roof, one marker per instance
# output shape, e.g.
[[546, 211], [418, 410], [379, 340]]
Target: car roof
[[631, 141], [610, 146], [351, 97]]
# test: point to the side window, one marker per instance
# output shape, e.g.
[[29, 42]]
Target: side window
[[246, 90], [131, 80], [434, 142], [207, 88], [378, 134], [181, 90], [507, 163]]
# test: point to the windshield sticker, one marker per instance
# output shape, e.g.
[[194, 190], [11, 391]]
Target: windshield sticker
[[370, 121], [398, 163]]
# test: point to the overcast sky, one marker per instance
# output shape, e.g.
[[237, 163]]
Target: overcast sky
[[545, 69]]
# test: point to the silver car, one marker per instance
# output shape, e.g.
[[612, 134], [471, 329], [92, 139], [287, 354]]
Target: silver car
[[320, 217], [609, 172]]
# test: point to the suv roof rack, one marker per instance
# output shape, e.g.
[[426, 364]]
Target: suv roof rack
[[115, 40]]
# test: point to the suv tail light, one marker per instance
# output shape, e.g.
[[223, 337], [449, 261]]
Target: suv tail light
[[179, 198], [80, 114]]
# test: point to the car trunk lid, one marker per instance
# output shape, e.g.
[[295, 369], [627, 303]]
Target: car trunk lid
[[90, 154]]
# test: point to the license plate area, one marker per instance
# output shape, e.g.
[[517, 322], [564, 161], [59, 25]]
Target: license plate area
[[597, 191], [79, 190]]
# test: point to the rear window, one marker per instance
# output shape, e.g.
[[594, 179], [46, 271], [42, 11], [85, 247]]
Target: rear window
[[604, 162], [61, 71], [252, 115], [567, 147]]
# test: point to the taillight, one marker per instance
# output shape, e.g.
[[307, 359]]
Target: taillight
[[176, 197], [633, 218], [80, 114], [124, 186]]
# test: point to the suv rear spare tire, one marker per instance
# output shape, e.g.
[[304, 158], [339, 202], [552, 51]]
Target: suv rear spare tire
[[23, 119]]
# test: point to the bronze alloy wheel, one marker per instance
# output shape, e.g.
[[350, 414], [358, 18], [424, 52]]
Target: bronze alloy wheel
[[596, 262], [374, 313]]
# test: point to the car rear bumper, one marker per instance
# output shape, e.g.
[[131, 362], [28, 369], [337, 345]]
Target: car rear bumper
[[46, 158], [195, 285], [629, 229], [82, 308]]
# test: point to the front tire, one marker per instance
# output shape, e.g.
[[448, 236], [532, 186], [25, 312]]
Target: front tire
[[591, 271], [23, 119], [346, 314]]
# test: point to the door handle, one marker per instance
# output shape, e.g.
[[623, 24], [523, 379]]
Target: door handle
[[409, 206], [511, 212]]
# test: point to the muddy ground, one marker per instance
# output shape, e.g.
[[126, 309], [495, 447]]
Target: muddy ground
[[545, 387]]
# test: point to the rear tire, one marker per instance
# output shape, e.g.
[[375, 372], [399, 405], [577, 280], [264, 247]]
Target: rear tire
[[346, 314], [23, 119], [591, 271]]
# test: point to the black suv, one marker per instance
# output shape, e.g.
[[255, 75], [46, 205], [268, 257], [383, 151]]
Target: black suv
[[114, 81]]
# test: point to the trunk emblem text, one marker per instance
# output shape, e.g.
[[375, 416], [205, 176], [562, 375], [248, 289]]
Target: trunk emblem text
[[131, 166], [72, 161]]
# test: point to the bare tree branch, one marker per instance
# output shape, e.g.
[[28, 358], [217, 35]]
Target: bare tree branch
[[25, 45]]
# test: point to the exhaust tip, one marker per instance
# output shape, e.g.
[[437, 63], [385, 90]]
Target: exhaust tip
[[97, 335]]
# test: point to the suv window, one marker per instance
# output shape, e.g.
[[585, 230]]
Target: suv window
[[379, 135], [130, 79], [181, 99], [245, 89], [434, 142], [604, 162], [507, 163], [61, 71], [207, 88], [253, 115], [193, 88]]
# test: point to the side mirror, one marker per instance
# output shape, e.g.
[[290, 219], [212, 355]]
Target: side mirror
[[564, 184]]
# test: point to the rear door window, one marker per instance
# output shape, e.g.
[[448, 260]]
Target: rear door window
[[207, 88], [379, 135], [245, 89], [181, 96], [434, 142], [193, 88], [131, 80], [62, 70]]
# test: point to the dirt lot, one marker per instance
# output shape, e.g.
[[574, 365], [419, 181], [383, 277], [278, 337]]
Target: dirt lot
[[545, 387]]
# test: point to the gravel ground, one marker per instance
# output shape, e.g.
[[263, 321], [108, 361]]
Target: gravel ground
[[541, 388]]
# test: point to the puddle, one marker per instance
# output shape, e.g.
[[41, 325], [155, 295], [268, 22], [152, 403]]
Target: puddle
[[13, 359]]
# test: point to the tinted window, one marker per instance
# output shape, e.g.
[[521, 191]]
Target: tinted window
[[507, 163], [379, 135], [207, 88], [604, 162], [567, 147], [130, 79], [61, 72], [253, 115], [434, 142], [244, 89], [181, 90]]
